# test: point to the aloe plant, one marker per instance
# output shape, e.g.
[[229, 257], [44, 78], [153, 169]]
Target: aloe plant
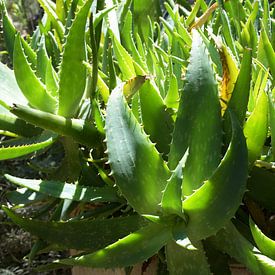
[[186, 108]]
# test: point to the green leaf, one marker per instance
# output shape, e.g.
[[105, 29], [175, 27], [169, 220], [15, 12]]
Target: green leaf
[[139, 170], [32, 88], [157, 121], [125, 61], [22, 146], [72, 81], [171, 199], [270, 53], [9, 122], [10, 92], [50, 11], [198, 122], [230, 241], [67, 191], [87, 234], [134, 248], [217, 200], [24, 196], [265, 244], [172, 98], [82, 131], [239, 99], [255, 129], [183, 260], [227, 32]]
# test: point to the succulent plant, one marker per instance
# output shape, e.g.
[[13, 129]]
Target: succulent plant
[[167, 129]]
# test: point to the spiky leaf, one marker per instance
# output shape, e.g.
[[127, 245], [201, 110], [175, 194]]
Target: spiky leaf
[[72, 81], [217, 200], [198, 115], [138, 168], [87, 234], [134, 248], [67, 191], [32, 88]]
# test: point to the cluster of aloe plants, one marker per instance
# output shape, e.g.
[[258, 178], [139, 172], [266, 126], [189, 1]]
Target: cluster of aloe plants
[[167, 126]]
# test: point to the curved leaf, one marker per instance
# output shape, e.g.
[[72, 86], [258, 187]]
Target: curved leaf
[[125, 61], [68, 191], [230, 241], [265, 244], [9, 122], [217, 200], [255, 129], [82, 131], [139, 170], [23, 146], [72, 81], [157, 121], [10, 92], [171, 200], [32, 88], [134, 248], [240, 95], [87, 234], [198, 123]]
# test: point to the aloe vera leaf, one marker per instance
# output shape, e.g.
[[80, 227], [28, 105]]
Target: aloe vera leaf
[[183, 260], [43, 60], [9, 33], [157, 121], [87, 234], [48, 8], [126, 31], [199, 93], [264, 243], [171, 202], [101, 14], [61, 10], [227, 33], [10, 92], [66, 190], [240, 95], [25, 146], [9, 30], [24, 196], [205, 16], [172, 97], [51, 80], [261, 187], [101, 85], [270, 53], [134, 248], [271, 101], [125, 61], [32, 88], [72, 81], [130, 44], [82, 131], [230, 241], [193, 13], [217, 200], [130, 152], [9, 122], [230, 75], [255, 128]]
